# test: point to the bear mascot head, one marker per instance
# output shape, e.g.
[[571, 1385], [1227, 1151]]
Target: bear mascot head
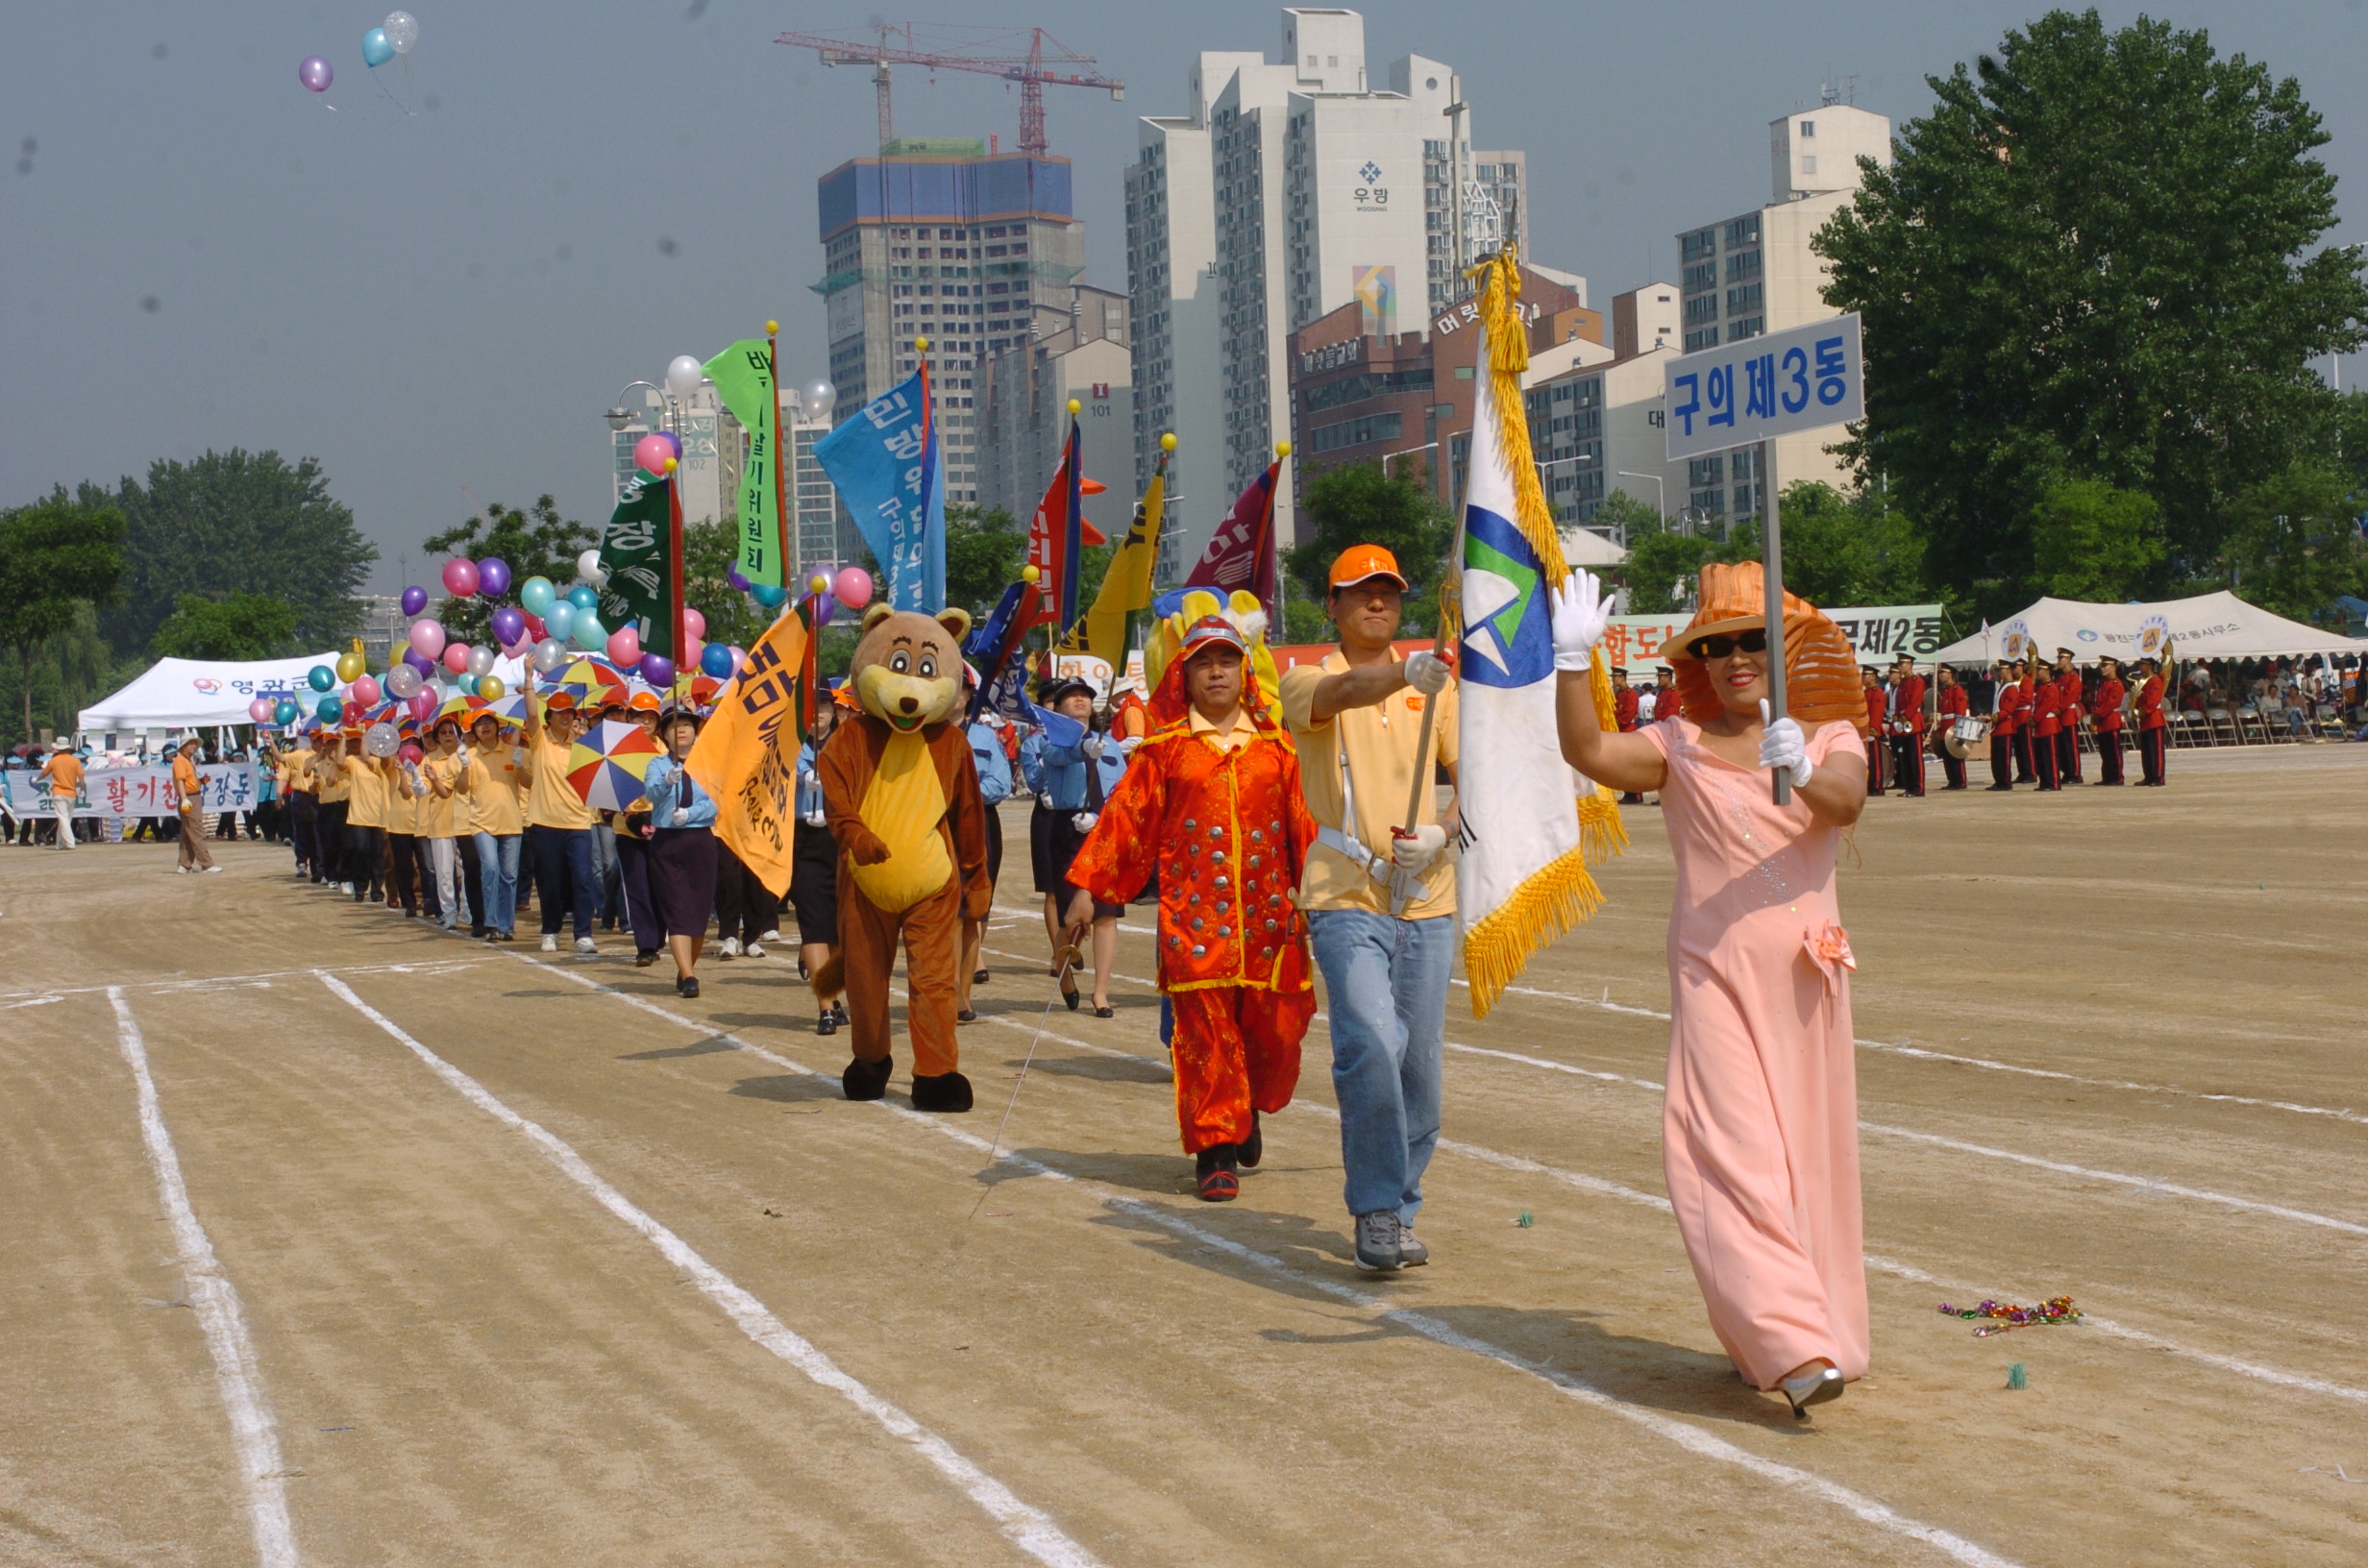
[[907, 667]]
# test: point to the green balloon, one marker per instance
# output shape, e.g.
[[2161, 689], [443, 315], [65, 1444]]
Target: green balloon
[[329, 710], [321, 678]]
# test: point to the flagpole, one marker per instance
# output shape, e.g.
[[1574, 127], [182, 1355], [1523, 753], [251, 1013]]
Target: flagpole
[[791, 571], [674, 574]]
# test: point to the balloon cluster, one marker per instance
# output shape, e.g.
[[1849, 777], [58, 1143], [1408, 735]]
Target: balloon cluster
[[392, 36]]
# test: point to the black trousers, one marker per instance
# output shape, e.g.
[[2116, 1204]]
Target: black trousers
[[2068, 754], [2022, 758], [473, 880], [2043, 755], [2001, 760], [302, 809], [404, 871], [329, 840], [1907, 763], [744, 908], [2108, 756], [365, 860], [2151, 744]]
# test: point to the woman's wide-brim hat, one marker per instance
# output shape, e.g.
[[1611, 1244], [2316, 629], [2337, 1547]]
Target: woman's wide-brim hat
[[1821, 673]]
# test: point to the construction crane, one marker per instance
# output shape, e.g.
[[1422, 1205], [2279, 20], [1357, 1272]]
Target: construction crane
[[993, 52]]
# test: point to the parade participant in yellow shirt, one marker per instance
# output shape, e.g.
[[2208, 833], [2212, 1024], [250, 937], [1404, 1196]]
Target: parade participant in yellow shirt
[[558, 824], [442, 807], [369, 800], [496, 777]]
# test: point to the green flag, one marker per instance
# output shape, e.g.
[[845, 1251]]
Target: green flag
[[636, 554], [743, 375]]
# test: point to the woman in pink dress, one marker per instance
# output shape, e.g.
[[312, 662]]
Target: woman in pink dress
[[1759, 1131]]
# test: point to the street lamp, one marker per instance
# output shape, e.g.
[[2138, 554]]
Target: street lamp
[[619, 416]]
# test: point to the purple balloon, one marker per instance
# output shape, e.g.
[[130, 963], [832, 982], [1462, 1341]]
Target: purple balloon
[[675, 441], [508, 625], [314, 73], [825, 610], [657, 669], [493, 578], [420, 662], [414, 601], [738, 582]]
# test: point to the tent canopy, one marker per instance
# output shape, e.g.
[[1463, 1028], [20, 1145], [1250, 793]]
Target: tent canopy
[[2208, 626], [184, 693]]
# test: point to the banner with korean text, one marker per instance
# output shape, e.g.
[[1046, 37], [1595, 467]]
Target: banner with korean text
[[743, 376], [1878, 634], [747, 752], [892, 477], [142, 790]]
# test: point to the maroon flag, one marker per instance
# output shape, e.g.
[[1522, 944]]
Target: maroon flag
[[1242, 553]]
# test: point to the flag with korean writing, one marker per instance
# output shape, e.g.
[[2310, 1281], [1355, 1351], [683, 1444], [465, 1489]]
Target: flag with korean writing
[[747, 752], [743, 376], [891, 475], [636, 552]]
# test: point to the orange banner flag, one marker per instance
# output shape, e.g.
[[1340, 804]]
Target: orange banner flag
[[747, 752]]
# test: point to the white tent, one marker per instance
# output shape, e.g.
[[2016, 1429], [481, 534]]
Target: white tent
[[2208, 626], [184, 693], [1585, 547]]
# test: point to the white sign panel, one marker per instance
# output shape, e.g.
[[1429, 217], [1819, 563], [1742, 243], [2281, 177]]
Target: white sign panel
[[1739, 393], [1877, 634], [145, 789]]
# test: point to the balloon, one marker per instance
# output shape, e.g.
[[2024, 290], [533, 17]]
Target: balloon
[[508, 625], [732, 576], [424, 704], [536, 595], [490, 688], [651, 453], [818, 398], [657, 669], [349, 665], [284, 711], [694, 623], [739, 657], [683, 373], [414, 601], [480, 660], [853, 587], [261, 710], [412, 754], [549, 655], [584, 597], [716, 660], [456, 657], [493, 576], [382, 740], [366, 692], [460, 577], [330, 709], [377, 49], [403, 681], [560, 619], [767, 595], [625, 647], [314, 73], [401, 29], [588, 633], [320, 677], [588, 567], [826, 611], [427, 638]]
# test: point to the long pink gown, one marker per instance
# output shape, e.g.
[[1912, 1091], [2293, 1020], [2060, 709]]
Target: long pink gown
[[1760, 1129]]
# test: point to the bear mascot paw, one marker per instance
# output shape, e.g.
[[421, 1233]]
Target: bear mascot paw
[[944, 1092], [868, 1080]]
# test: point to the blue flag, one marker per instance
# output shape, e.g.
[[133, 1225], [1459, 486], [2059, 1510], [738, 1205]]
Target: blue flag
[[888, 469]]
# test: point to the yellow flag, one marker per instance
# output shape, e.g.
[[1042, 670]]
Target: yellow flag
[[1126, 586], [747, 752]]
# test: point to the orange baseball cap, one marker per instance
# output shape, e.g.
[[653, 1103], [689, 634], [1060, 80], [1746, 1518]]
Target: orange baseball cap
[[1360, 562]]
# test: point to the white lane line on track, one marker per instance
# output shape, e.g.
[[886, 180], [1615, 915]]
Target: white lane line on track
[[1604, 1004], [1028, 1528], [1874, 1260], [221, 1315], [243, 982], [1693, 1439]]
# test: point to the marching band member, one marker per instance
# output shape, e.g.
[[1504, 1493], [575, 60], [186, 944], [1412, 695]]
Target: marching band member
[[2068, 738], [1954, 706], [2046, 724], [1905, 729], [2110, 693], [2152, 731]]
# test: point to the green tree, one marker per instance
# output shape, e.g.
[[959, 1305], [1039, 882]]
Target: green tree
[[2095, 258], [985, 548], [1843, 550], [236, 522], [1359, 504], [2091, 541], [58, 557], [1664, 566], [238, 626], [2297, 542], [709, 552], [1621, 515], [534, 542]]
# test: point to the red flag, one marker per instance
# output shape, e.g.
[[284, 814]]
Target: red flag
[[1241, 552], [1054, 538]]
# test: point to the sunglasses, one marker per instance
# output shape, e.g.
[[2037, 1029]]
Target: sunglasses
[[1718, 645]]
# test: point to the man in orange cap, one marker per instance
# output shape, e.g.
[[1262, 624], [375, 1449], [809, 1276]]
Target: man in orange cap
[[1379, 892]]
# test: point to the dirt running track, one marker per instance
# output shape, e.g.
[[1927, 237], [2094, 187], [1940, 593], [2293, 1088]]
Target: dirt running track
[[425, 1252]]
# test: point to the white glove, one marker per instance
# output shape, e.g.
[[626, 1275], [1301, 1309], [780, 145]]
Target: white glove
[[1414, 851], [1047, 802], [1427, 673], [1581, 610], [1090, 746], [1784, 748], [1084, 821]]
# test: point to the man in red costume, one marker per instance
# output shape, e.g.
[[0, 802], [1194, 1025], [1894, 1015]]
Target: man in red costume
[[2068, 685], [1904, 731], [2153, 733], [1953, 705], [2046, 723], [1211, 802], [2108, 713]]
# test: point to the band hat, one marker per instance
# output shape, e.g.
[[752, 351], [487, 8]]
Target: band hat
[[1362, 563]]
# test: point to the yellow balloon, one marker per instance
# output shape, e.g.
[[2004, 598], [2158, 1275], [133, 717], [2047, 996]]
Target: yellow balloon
[[351, 667], [818, 585], [490, 688]]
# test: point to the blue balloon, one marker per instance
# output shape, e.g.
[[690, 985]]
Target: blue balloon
[[559, 618], [715, 659], [320, 677], [377, 49], [589, 634], [767, 595], [329, 710], [584, 597], [284, 711]]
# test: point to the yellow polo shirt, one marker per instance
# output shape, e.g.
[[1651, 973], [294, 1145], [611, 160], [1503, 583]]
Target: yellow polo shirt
[[1380, 744], [368, 789], [336, 774], [438, 815], [497, 776], [550, 801]]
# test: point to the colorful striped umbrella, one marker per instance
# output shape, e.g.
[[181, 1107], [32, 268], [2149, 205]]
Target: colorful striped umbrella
[[607, 764]]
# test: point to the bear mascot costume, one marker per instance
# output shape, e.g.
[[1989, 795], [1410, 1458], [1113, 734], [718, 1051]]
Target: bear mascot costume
[[900, 794]]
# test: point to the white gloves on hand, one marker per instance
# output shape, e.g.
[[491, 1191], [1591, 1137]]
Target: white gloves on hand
[[1090, 746], [1414, 851], [1427, 673], [1581, 610], [1084, 821], [1045, 800], [1784, 748]]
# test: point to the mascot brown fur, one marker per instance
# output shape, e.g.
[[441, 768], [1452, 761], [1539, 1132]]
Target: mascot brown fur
[[900, 794]]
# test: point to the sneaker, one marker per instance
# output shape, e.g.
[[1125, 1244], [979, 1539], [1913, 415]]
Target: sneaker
[[838, 1013], [210, 870], [1410, 1252], [551, 943], [826, 1024], [770, 935], [346, 888], [586, 946], [755, 949], [728, 948], [1377, 1238]]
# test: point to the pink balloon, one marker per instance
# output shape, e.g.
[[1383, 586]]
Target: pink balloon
[[739, 658], [261, 710], [366, 691], [694, 623], [316, 73], [427, 638], [651, 452], [853, 587], [460, 577], [423, 703], [691, 648], [456, 657], [625, 647]]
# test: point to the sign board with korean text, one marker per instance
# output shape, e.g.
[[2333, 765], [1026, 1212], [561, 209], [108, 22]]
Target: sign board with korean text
[[1877, 633], [1803, 378], [143, 789]]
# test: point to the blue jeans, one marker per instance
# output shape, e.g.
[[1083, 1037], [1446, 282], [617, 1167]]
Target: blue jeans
[[564, 877], [1386, 980], [497, 861]]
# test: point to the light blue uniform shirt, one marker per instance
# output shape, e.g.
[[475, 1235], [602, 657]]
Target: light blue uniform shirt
[[993, 767], [1058, 771], [671, 791]]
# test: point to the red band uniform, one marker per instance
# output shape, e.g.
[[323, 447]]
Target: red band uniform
[[2047, 722], [2152, 731], [1906, 733], [2110, 693], [2010, 756], [1877, 755], [2068, 738], [1954, 706]]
